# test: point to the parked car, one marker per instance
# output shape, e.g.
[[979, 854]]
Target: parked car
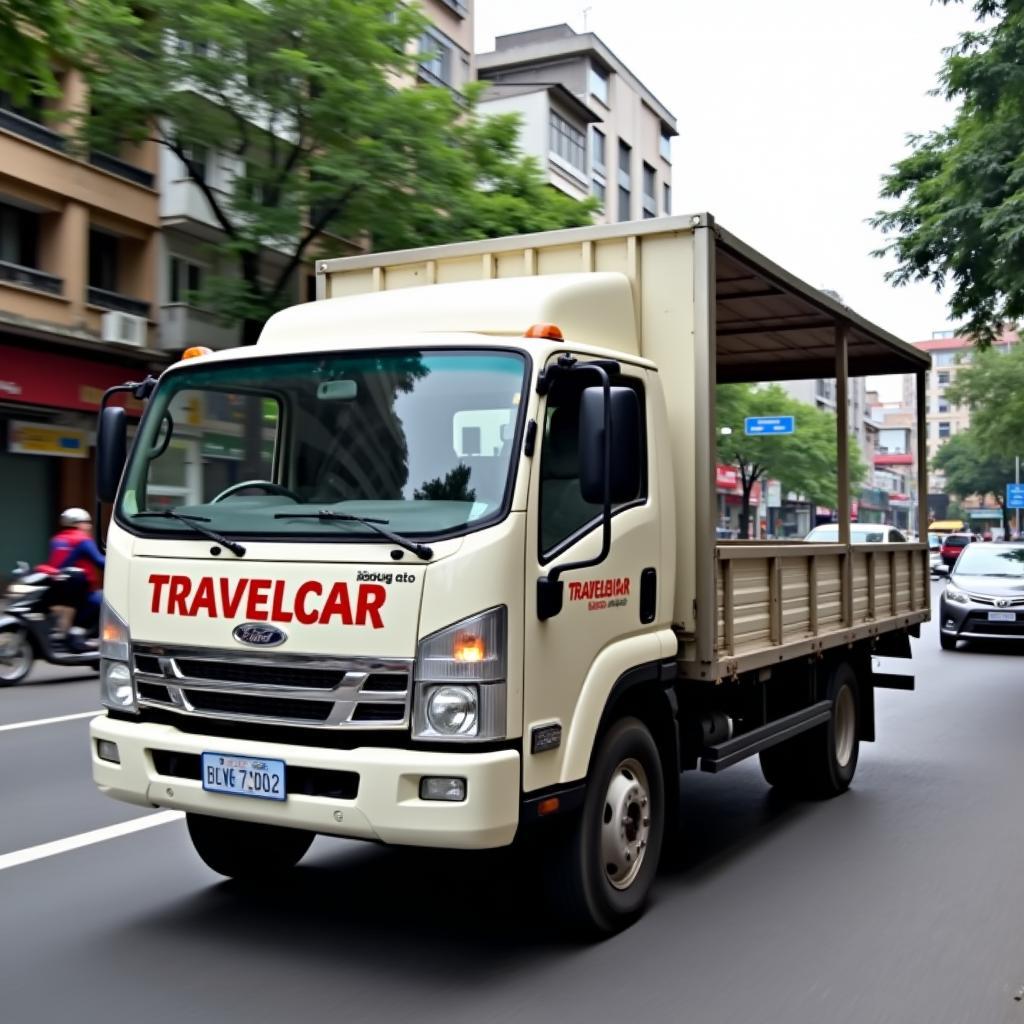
[[860, 533], [953, 544], [984, 597], [935, 553]]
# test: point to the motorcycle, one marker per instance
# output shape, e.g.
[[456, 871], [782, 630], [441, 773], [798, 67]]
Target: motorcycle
[[31, 627]]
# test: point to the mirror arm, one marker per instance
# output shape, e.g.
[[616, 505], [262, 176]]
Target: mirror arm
[[550, 589]]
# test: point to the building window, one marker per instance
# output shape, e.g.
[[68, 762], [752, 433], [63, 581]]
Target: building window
[[650, 201], [597, 158], [567, 142], [185, 278], [944, 428], [667, 190], [665, 146], [599, 190], [625, 180], [198, 156], [943, 377], [103, 260], [598, 83], [19, 236], [944, 358], [437, 61], [942, 405]]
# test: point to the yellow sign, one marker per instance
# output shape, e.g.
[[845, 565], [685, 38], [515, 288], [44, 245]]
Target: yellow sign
[[43, 439]]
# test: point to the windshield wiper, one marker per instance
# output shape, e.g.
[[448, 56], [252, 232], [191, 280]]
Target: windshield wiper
[[325, 515], [196, 523]]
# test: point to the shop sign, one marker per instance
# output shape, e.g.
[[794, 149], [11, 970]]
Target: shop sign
[[61, 381], [726, 477], [44, 439], [222, 446], [774, 490]]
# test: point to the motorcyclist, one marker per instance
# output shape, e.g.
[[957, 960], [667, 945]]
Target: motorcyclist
[[73, 547]]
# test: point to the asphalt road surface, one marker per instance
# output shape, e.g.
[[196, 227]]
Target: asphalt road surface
[[900, 901]]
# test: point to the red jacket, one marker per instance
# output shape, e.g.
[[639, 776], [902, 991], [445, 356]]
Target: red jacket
[[75, 549]]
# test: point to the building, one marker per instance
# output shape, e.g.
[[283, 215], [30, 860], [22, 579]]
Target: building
[[594, 127], [78, 263]]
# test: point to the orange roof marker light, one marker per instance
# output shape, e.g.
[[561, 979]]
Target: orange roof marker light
[[550, 331], [195, 351]]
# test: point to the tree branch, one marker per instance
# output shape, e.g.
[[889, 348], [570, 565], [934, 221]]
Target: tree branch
[[178, 150]]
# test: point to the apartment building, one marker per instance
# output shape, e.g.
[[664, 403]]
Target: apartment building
[[594, 127], [78, 252], [950, 352]]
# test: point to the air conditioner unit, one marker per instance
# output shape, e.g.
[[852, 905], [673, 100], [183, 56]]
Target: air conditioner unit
[[124, 328]]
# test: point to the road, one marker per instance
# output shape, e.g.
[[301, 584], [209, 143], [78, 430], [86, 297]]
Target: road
[[900, 901]]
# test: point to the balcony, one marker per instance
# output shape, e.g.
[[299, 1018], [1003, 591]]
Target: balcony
[[31, 130], [113, 165], [182, 325], [122, 303], [457, 7], [29, 277]]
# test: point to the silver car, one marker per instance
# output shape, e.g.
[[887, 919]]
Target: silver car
[[984, 598], [860, 533]]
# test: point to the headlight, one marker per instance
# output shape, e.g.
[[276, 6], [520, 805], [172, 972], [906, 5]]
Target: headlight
[[460, 680], [22, 589], [117, 688], [956, 595]]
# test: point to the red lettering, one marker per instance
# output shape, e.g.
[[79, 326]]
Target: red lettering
[[180, 587], [230, 601], [256, 606], [305, 616], [337, 604], [369, 601], [278, 614], [204, 599], [158, 580], [574, 590]]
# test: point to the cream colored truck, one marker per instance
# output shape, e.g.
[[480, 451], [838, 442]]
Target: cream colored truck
[[435, 562]]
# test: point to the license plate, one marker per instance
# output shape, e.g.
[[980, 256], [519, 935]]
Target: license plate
[[1002, 617], [243, 776]]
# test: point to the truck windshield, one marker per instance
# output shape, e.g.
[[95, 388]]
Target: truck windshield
[[419, 440]]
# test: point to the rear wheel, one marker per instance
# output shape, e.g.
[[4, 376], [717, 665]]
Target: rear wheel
[[246, 850], [16, 655], [607, 855], [822, 761]]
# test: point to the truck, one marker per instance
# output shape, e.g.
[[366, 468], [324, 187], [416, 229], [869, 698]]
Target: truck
[[435, 562]]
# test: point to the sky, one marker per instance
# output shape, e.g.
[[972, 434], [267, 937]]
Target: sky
[[789, 112]]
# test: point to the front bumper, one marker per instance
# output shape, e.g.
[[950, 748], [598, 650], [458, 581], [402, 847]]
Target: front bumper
[[387, 806], [971, 622]]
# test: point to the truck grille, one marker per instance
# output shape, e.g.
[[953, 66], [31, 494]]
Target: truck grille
[[335, 693]]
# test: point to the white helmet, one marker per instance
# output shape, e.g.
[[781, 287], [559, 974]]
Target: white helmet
[[75, 517]]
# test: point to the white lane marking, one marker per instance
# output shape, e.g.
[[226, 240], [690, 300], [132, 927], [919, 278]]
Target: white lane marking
[[50, 721], [99, 835]]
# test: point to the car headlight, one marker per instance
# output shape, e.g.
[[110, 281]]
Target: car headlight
[[117, 687], [956, 595], [460, 680]]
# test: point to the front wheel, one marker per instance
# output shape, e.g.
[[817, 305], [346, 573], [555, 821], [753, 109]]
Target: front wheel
[[16, 655], [246, 850], [607, 855]]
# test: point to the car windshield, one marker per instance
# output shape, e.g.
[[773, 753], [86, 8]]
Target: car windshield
[[991, 560], [419, 440], [858, 534], [957, 542]]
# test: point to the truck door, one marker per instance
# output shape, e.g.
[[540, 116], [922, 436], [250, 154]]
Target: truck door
[[602, 605]]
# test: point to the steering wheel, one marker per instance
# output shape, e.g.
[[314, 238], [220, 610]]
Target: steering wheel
[[268, 485]]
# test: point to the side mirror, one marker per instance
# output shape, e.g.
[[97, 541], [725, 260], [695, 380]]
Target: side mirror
[[624, 445], [111, 452]]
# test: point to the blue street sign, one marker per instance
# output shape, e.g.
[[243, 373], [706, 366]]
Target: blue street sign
[[757, 425], [1015, 495]]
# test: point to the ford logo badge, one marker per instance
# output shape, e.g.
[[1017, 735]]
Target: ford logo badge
[[258, 634]]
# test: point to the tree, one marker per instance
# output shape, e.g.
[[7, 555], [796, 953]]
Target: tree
[[992, 386], [303, 100], [804, 461], [961, 190], [32, 32], [970, 467]]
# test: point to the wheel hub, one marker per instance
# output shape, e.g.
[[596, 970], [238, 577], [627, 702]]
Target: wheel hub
[[625, 824], [844, 726]]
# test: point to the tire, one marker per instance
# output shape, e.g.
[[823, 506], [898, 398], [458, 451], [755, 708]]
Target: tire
[[606, 856], [16, 655], [947, 643], [822, 761], [246, 850]]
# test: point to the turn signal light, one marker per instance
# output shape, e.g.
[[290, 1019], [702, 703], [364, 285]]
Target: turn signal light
[[469, 647], [195, 351], [548, 806], [550, 331]]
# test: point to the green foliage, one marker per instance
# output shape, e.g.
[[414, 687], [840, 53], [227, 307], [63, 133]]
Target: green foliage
[[804, 461], [971, 467], [961, 191], [993, 388], [32, 33], [311, 102], [453, 487]]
